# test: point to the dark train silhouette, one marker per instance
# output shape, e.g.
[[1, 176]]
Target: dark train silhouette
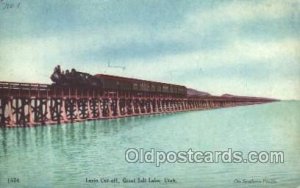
[[104, 82]]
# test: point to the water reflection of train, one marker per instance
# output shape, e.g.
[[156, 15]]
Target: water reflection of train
[[104, 82]]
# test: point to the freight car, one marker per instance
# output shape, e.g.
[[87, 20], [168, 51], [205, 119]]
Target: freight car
[[111, 83]]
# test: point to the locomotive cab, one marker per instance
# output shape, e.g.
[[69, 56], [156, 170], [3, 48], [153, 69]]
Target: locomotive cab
[[74, 78]]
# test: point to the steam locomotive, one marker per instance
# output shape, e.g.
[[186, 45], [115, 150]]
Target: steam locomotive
[[104, 82]]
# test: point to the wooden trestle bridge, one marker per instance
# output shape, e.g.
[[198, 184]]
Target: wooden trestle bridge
[[31, 104]]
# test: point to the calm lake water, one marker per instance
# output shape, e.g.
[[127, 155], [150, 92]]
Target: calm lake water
[[65, 155]]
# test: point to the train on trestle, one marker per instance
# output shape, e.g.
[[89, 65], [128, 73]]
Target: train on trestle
[[112, 83]]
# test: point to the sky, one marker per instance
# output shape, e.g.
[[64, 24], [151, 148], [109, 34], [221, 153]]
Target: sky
[[238, 47]]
